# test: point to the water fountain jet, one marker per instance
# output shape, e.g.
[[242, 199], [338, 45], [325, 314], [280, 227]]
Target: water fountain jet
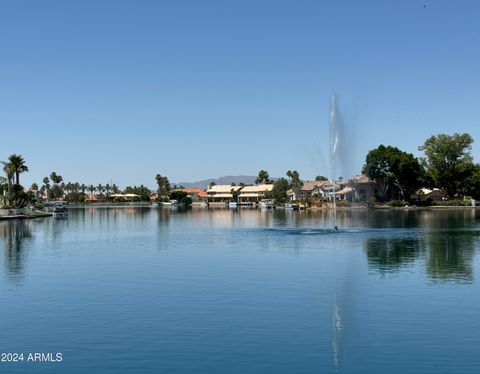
[[334, 139]]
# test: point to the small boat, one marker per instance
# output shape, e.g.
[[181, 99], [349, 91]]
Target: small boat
[[170, 203], [266, 204], [60, 211], [233, 204], [292, 206]]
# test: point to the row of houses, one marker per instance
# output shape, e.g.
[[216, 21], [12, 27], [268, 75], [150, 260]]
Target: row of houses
[[359, 188], [222, 194], [356, 189]]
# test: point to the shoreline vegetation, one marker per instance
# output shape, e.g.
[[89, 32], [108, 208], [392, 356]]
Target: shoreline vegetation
[[445, 177]]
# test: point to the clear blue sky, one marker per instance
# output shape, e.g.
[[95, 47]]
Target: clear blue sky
[[123, 90]]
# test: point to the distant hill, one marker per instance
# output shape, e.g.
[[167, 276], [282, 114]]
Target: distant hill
[[229, 179]]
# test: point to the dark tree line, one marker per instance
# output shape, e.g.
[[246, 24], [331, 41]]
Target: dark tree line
[[447, 164]]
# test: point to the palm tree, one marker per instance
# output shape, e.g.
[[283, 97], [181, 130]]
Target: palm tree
[[289, 174], [108, 188], [163, 185], [91, 188], [68, 188], [10, 173], [263, 177], [46, 185], [18, 166], [56, 179], [83, 187], [294, 180], [100, 189], [3, 182]]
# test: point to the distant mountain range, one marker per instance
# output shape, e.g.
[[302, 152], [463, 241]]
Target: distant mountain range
[[229, 179]]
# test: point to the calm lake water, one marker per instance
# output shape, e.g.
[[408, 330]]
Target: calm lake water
[[147, 290]]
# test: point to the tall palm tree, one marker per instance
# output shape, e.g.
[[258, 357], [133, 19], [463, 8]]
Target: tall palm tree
[[100, 189], [68, 188], [91, 188], [163, 185], [56, 179], [10, 173], [18, 166], [46, 185]]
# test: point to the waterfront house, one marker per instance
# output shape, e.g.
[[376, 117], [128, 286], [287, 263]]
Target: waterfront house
[[364, 188], [346, 193], [434, 194], [119, 197], [309, 190], [222, 193], [197, 194], [253, 194]]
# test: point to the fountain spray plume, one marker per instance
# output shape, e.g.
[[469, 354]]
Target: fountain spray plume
[[333, 152]]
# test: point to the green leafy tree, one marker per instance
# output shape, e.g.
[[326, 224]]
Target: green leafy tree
[[471, 182], [448, 160], [21, 198], [398, 173], [279, 191], [263, 177], [321, 178], [181, 197]]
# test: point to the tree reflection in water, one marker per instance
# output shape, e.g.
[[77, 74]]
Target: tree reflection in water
[[446, 241], [450, 255], [389, 254], [15, 235]]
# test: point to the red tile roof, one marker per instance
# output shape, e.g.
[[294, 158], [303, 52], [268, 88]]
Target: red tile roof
[[198, 191]]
